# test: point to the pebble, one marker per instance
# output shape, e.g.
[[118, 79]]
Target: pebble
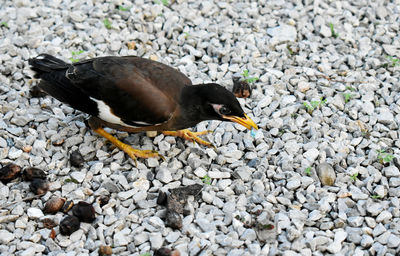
[[34, 213]]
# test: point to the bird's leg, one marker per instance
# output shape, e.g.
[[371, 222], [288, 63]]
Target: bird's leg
[[191, 136], [132, 153]]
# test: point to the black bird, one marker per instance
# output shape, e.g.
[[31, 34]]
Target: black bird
[[134, 94]]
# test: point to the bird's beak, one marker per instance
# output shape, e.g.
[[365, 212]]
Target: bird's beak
[[245, 121]]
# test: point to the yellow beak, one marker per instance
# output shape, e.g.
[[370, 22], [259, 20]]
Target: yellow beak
[[246, 121]]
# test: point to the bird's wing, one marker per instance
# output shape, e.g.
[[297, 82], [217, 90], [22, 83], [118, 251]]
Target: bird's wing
[[129, 90]]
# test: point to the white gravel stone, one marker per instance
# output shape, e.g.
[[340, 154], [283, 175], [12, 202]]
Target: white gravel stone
[[6, 237], [34, 213]]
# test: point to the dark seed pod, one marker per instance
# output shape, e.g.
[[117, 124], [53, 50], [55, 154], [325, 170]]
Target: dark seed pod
[[54, 205], [84, 211], [31, 173], [69, 225], [39, 186], [103, 200], [241, 89], [67, 206], [36, 92], [9, 172], [49, 223], [76, 158], [163, 252], [173, 219], [105, 250]]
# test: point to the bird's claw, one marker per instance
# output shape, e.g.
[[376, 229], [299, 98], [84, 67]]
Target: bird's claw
[[191, 136]]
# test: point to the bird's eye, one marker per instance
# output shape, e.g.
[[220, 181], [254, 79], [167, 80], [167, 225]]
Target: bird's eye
[[224, 110]]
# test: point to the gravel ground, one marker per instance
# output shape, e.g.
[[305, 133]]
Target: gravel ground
[[320, 177]]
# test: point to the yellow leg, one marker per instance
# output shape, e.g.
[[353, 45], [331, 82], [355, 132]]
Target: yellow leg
[[191, 136], [132, 153]]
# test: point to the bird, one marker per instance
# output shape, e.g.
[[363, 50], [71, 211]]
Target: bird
[[135, 94]]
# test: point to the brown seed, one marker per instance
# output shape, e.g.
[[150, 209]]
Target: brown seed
[[39, 186], [69, 225], [84, 211], [54, 205], [105, 250], [49, 223], [52, 234], [76, 158], [58, 142], [9, 172], [103, 200], [67, 206], [27, 148], [31, 173]]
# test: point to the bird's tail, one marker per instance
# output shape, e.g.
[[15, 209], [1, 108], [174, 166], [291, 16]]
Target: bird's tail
[[45, 63]]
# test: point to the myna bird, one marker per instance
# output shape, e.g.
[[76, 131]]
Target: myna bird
[[134, 94]]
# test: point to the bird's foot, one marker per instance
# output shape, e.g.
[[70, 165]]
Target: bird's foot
[[132, 153], [191, 136]]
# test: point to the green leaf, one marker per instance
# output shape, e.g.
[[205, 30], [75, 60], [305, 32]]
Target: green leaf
[[207, 180], [334, 34], [4, 24], [245, 73], [123, 8], [107, 23]]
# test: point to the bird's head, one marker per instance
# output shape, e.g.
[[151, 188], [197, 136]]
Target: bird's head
[[214, 102]]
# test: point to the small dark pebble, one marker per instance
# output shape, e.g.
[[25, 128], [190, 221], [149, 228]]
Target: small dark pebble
[[36, 92], [103, 200], [49, 223], [163, 252], [39, 186], [181, 193], [241, 89], [84, 211], [76, 159], [69, 225], [9, 172], [162, 198], [67, 206], [173, 219], [31, 173], [54, 205]]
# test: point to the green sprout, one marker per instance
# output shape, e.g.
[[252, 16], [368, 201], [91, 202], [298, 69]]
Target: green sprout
[[107, 23], [314, 104], [74, 58], [247, 78], [68, 180], [206, 179], [186, 35], [347, 97], [4, 24], [123, 8], [350, 88], [307, 171], [164, 2], [334, 34], [384, 157], [289, 49], [376, 197], [393, 61], [146, 254], [354, 176]]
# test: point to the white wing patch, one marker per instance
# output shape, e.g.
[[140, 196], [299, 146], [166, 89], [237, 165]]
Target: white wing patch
[[106, 115]]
